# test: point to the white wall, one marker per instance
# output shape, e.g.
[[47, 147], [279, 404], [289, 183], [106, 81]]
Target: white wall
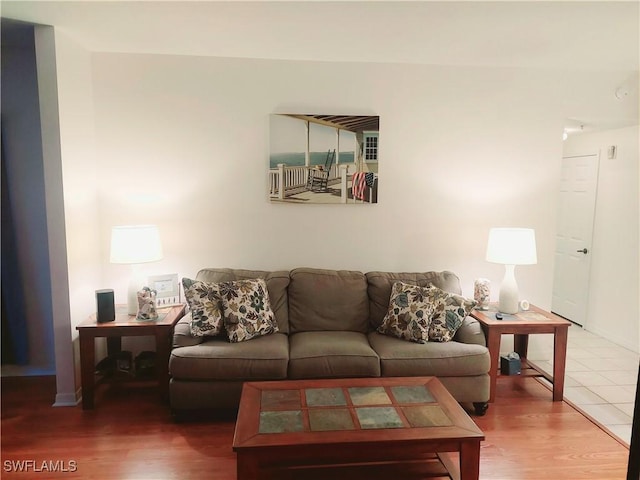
[[183, 142], [614, 311], [81, 219], [80, 175]]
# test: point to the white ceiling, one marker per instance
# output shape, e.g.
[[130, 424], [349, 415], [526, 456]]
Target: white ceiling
[[594, 36]]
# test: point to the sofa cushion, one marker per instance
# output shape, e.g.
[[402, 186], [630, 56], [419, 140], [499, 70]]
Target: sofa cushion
[[408, 359], [379, 286], [206, 311], [328, 300], [263, 358], [449, 310], [409, 313], [247, 310], [331, 355], [277, 283], [182, 336]]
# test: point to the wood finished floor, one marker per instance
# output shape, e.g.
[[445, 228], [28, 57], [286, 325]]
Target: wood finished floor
[[131, 436]]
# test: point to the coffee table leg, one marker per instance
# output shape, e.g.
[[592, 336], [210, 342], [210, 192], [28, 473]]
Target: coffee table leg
[[247, 467], [470, 461]]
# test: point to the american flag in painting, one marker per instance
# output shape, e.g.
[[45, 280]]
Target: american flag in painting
[[358, 185]]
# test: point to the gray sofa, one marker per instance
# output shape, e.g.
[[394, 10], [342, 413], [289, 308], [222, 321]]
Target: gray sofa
[[327, 322]]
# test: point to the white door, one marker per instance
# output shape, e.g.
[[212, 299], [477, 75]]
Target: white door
[[576, 212]]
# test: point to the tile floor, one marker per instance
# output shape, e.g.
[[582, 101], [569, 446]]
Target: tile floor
[[600, 377]]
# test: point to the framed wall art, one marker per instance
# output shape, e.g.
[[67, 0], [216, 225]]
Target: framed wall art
[[324, 158]]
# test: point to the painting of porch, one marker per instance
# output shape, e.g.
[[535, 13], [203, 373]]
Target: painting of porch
[[335, 193], [342, 149]]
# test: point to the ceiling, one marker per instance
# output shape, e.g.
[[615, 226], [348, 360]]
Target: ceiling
[[594, 35], [571, 35]]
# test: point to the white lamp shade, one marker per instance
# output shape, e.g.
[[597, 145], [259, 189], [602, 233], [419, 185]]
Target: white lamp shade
[[512, 246], [135, 244]]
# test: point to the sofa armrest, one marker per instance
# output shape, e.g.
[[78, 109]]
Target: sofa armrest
[[182, 333], [471, 332]]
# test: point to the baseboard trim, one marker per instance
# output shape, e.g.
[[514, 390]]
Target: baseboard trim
[[625, 342], [67, 399]]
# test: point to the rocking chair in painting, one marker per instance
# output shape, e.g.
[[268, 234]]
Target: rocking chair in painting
[[319, 174]]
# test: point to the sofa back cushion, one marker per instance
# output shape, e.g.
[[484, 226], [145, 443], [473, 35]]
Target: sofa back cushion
[[277, 283], [379, 286], [328, 300]]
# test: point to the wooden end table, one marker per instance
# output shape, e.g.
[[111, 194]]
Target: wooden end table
[[126, 325], [292, 424], [521, 324]]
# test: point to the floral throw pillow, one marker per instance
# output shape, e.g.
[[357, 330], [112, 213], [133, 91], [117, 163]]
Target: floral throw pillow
[[206, 308], [409, 313], [247, 310], [449, 311]]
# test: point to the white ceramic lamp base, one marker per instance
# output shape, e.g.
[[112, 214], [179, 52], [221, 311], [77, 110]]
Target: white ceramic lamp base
[[136, 282], [508, 299]]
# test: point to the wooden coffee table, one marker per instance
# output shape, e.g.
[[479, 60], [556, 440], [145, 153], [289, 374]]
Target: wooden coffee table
[[302, 423]]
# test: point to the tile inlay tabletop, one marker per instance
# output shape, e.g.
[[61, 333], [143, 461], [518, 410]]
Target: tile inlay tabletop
[[317, 422]]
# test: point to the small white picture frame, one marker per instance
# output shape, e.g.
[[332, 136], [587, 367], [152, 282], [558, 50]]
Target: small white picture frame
[[167, 289]]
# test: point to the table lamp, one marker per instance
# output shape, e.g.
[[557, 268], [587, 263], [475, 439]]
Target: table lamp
[[134, 245], [511, 247]]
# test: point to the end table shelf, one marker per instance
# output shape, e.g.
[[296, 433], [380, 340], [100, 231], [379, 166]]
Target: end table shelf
[[521, 324], [126, 326]]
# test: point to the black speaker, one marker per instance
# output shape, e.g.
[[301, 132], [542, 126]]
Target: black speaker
[[106, 306]]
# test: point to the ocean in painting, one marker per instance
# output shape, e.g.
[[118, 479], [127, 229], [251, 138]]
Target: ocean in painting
[[297, 158]]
